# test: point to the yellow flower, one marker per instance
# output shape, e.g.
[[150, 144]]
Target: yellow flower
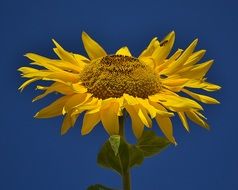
[[104, 86]]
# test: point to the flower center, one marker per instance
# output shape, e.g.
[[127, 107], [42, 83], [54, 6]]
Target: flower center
[[114, 75]]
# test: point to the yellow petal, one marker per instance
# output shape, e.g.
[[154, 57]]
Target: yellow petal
[[37, 58], [53, 64], [54, 109], [195, 57], [201, 98], [82, 61], [26, 70], [50, 64], [196, 119], [147, 106], [153, 108], [81, 58], [75, 100], [175, 103], [160, 68], [78, 88], [165, 124], [161, 111], [182, 59], [174, 81], [64, 76], [174, 56], [121, 102], [198, 71], [51, 75], [166, 127], [184, 70], [26, 83], [89, 122], [63, 54], [95, 109], [109, 119], [162, 51], [68, 122], [130, 99], [137, 125], [184, 120], [194, 83], [124, 51], [175, 84], [93, 49], [55, 87], [201, 69], [200, 114], [144, 117], [210, 87], [148, 61], [38, 74], [150, 49], [91, 106], [168, 40]]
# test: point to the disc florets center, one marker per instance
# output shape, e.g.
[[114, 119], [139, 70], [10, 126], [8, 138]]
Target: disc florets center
[[114, 75]]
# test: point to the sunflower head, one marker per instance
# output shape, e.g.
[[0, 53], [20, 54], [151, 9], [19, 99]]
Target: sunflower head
[[103, 86], [115, 75]]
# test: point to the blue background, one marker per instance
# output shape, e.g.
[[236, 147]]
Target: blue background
[[33, 155]]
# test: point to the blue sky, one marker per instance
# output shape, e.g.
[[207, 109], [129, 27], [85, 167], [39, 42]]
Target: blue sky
[[35, 156]]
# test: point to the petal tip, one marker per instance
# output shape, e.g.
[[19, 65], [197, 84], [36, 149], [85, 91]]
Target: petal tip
[[195, 41], [62, 132], [172, 33], [26, 55], [84, 34], [55, 42], [36, 115], [83, 132]]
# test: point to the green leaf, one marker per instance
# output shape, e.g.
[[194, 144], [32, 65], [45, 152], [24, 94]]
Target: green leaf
[[119, 162], [151, 144], [136, 156], [115, 143], [98, 187]]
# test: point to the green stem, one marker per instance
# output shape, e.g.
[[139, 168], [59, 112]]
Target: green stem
[[126, 177]]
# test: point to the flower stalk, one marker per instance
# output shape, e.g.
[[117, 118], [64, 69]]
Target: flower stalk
[[126, 180], [126, 177]]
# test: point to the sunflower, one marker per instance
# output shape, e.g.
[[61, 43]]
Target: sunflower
[[105, 86]]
